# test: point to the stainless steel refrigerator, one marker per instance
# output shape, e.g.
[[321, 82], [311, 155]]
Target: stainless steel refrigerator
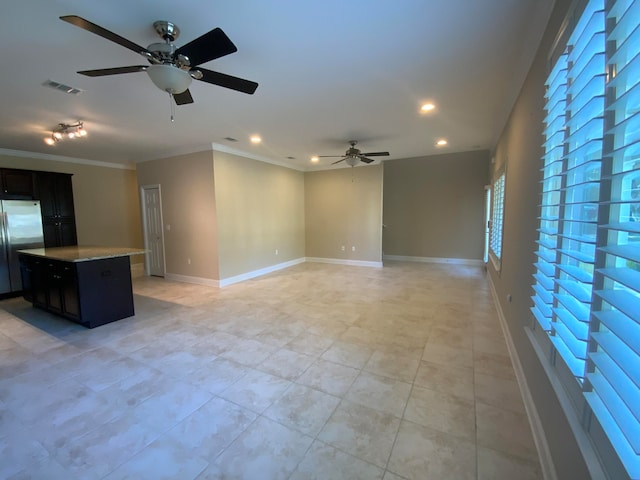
[[20, 228]]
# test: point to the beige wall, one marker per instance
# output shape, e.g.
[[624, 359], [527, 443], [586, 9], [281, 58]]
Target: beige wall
[[344, 207], [260, 208], [106, 201], [519, 148], [189, 209], [434, 206]]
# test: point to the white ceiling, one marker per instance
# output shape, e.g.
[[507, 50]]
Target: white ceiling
[[328, 71]]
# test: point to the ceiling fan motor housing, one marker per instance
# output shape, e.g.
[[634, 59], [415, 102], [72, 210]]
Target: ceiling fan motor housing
[[164, 52]]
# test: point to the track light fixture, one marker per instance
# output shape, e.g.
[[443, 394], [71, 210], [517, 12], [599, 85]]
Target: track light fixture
[[66, 130]]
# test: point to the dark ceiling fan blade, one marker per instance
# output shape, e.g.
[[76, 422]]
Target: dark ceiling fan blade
[[330, 156], [211, 45], [104, 33], [113, 71], [341, 160], [183, 98], [376, 154], [224, 80], [365, 159]]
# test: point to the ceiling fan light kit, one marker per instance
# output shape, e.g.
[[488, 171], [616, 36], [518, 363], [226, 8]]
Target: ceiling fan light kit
[[169, 79]]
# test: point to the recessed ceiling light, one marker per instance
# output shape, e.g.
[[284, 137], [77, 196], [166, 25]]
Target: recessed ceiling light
[[256, 139], [442, 143], [315, 159], [427, 107]]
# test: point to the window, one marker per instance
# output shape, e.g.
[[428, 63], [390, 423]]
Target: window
[[497, 218], [587, 273]]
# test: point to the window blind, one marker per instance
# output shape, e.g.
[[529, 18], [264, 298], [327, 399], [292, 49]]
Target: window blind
[[575, 104], [612, 388], [497, 216], [555, 124], [587, 278]]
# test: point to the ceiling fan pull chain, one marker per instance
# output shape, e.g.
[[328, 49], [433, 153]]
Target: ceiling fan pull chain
[[172, 107]]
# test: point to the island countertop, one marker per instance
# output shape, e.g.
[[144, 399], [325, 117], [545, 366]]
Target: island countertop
[[81, 253]]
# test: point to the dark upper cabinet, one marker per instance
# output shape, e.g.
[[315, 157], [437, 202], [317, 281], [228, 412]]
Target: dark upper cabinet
[[17, 184], [55, 192]]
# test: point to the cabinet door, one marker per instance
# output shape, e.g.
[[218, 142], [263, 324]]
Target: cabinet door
[[67, 233], [38, 283], [17, 184], [26, 271], [54, 287], [64, 196], [54, 190], [46, 193], [70, 298], [50, 231]]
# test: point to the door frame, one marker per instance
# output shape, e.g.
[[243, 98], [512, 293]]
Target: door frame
[[143, 189], [488, 192]]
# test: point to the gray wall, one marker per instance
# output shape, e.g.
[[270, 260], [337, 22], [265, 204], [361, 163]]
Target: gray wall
[[228, 214], [343, 207], [260, 209], [434, 206], [519, 147], [188, 206]]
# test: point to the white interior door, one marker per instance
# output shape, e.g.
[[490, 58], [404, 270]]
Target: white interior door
[[153, 230]]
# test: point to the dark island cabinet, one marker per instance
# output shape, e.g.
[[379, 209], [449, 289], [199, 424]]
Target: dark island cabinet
[[91, 293], [52, 285], [55, 192], [16, 184]]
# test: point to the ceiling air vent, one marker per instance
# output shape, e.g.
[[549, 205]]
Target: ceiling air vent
[[62, 87], [231, 139]]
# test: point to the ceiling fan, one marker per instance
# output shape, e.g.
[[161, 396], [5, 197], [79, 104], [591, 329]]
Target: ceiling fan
[[171, 69], [353, 155]]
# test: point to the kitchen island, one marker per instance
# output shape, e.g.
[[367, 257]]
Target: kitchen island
[[89, 285]]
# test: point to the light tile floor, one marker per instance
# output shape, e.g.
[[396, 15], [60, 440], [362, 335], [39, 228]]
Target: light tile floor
[[313, 372]]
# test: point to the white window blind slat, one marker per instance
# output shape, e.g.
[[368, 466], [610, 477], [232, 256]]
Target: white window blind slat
[[614, 433], [614, 350], [622, 326], [626, 390], [624, 275], [622, 300], [617, 409]]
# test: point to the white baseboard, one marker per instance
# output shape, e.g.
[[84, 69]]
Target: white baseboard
[[455, 261], [174, 277], [539, 438], [257, 273], [263, 271], [340, 261]]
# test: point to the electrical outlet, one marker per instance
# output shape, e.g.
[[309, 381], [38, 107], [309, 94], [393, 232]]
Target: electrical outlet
[[342, 248], [168, 227], [353, 249], [188, 261], [276, 251]]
